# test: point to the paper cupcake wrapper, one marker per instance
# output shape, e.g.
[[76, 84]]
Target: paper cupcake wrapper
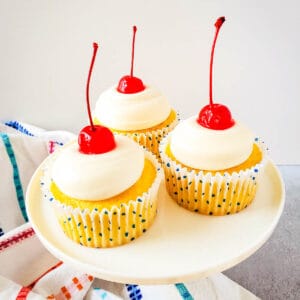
[[152, 139], [109, 227], [218, 194]]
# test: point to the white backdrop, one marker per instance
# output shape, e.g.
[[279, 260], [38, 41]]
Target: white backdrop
[[46, 48]]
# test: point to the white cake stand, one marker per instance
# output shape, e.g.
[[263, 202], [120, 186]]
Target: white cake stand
[[180, 245]]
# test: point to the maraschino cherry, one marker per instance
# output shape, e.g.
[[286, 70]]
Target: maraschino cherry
[[94, 139], [130, 84], [215, 116]]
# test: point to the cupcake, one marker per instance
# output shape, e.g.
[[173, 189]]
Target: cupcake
[[104, 188], [211, 161], [138, 111]]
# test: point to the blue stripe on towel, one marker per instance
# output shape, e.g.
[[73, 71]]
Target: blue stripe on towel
[[182, 289], [16, 175], [18, 126], [101, 293], [134, 292]]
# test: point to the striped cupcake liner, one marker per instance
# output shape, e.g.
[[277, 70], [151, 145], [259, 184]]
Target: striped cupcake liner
[[204, 193], [109, 227]]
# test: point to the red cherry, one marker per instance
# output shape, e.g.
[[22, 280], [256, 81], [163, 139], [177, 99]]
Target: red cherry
[[129, 84], [215, 116], [94, 139]]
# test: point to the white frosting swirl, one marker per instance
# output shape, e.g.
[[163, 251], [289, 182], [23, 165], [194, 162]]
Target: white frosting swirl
[[201, 148], [132, 111], [98, 176]]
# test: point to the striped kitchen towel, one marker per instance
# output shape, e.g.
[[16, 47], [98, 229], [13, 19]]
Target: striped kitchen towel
[[29, 271], [22, 148]]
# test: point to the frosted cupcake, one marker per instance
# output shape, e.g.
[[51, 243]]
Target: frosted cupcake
[[211, 161], [103, 188], [136, 110]]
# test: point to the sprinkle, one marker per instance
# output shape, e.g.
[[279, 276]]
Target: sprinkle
[[126, 234], [168, 165]]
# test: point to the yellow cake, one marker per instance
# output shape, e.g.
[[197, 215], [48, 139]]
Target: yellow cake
[[211, 161], [136, 110], [216, 192], [108, 222]]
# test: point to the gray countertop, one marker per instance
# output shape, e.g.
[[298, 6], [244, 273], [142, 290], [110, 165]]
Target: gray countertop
[[273, 272]]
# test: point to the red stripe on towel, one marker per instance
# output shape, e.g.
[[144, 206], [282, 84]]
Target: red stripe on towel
[[16, 238], [23, 293]]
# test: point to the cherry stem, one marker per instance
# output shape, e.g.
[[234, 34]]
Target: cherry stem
[[218, 25], [95, 45], [132, 50]]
